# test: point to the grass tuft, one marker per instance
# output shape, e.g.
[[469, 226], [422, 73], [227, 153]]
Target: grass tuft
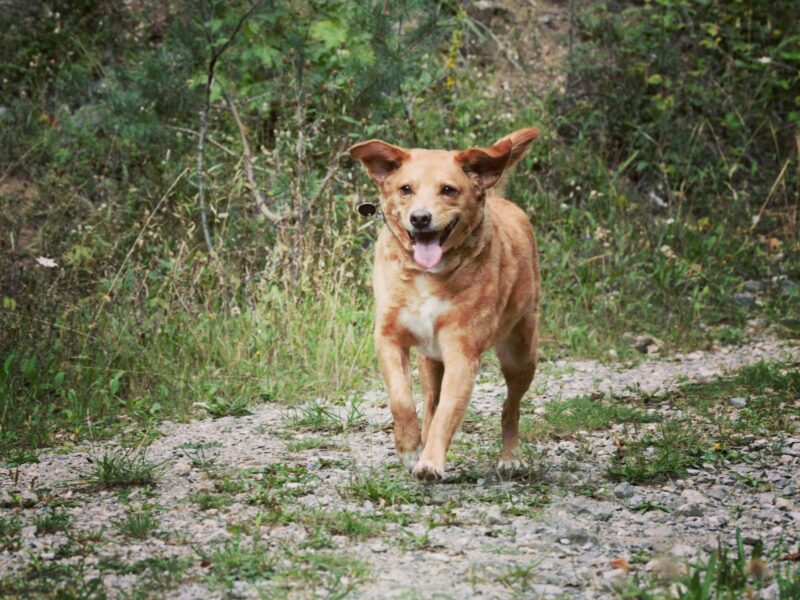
[[123, 468]]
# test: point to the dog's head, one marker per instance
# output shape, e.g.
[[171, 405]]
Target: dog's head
[[434, 199]]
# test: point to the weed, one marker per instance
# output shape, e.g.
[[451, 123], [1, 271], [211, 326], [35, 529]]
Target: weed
[[139, 524], [222, 407], [654, 458], [208, 501], [350, 524], [518, 578], [155, 573], [316, 416], [649, 505], [52, 521], [566, 417], [20, 456], [382, 489], [123, 468], [237, 559], [723, 574], [49, 579], [10, 528], [311, 444]]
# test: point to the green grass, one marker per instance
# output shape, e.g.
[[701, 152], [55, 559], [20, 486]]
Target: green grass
[[139, 524], [340, 522], [211, 500], [155, 574], [675, 447], [312, 444], [123, 468], [52, 521], [279, 572], [724, 574], [10, 528], [770, 388], [566, 417], [317, 416], [224, 407], [382, 488], [50, 579]]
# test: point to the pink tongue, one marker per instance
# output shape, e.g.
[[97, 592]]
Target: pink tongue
[[427, 254]]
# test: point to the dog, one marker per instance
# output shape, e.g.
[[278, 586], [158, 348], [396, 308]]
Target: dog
[[456, 273]]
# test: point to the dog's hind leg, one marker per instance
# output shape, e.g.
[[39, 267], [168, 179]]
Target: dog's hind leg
[[397, 374], [517, 355], [431, 373]]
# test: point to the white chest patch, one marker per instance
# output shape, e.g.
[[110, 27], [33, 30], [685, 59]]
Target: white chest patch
[[420, 319]]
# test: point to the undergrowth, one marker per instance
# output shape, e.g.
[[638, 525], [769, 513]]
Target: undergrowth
[[666, 177]]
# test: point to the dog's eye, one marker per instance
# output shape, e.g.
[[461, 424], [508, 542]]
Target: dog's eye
[[449, 191], [405, 190]]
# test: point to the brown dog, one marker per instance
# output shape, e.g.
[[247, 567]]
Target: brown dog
[[456, 273]]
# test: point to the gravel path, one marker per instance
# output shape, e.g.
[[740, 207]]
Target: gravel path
[[266, 485]]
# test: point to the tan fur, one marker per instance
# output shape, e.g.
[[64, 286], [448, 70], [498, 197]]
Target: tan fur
[[483, 294]]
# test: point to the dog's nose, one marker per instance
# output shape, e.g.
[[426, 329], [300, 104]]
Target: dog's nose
[[420, 219]]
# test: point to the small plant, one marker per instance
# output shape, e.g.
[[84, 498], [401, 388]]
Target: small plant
[[220, 407], [310, 444], [208, 501], [518, 578], [380, 488], [654, 458], [239, 560], [649, 505], [123, 468], [52, 522], [316, 416], [10, 528], [138, 524]]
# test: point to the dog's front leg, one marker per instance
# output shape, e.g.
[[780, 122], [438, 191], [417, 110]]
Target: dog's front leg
[[459, 377], [397, 374]]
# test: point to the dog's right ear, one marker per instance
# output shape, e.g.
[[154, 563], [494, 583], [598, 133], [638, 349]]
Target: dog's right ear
[[380, 158]]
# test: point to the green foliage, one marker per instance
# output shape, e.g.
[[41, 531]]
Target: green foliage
[[698, 100]]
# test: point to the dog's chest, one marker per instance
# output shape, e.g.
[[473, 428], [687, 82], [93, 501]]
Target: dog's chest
[[420, 316]]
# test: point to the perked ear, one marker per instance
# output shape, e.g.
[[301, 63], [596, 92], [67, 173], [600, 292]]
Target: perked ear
[[487, 163], [380, 159], [520, 140]]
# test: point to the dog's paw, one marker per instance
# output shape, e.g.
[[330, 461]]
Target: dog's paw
[[427, 471], [409, 459], [509, 466]]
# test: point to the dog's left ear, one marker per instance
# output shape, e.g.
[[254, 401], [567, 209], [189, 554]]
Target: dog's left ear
[[490, 163], [520, 140], [487, 164]]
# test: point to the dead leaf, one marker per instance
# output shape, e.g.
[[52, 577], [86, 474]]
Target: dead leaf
[[621, 563], [793, 556]]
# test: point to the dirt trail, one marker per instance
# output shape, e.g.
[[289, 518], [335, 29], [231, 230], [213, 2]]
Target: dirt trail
[[335, 517]]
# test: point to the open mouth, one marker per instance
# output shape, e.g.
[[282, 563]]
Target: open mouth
[[428, 245]]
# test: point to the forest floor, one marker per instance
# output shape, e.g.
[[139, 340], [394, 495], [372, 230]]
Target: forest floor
[[633, 471]]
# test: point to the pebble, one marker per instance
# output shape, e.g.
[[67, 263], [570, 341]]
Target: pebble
[[494, 516], [744, 300], [737, 401], [753, 287], [624, 490]]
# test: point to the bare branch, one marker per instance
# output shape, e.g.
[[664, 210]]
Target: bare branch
[[247, 159], [216, 52]]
